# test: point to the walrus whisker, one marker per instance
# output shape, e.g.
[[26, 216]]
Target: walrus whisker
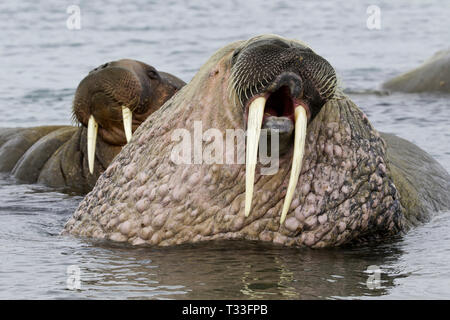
[[325, 85]]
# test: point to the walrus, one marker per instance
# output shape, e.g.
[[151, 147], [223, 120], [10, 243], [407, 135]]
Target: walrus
[[432, 76], [109, 105], [339, 181]]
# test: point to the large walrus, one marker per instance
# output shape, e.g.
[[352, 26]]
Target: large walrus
[[110, 103], [432, 76], [339, 181]]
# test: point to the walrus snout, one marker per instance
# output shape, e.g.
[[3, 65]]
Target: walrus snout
[[274, 77], [104, 91], [265, 66], [282, 95]]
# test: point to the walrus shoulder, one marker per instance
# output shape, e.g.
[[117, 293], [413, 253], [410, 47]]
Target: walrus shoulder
[[423, 184]]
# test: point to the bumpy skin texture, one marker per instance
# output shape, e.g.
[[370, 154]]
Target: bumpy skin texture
[[56, 156], [346, 191], [432, 76]]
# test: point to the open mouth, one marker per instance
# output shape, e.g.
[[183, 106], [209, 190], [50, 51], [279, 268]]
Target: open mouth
[[280, 104], [282, 96], [281, 100]]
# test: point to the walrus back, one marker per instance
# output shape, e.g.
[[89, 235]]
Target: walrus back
[[14, 143]]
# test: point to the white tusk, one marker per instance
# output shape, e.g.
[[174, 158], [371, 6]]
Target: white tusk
[[255, 118], [91, 142], [127, 122], [299, 150]]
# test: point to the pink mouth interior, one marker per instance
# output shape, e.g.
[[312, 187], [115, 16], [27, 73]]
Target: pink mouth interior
[[280, 104]]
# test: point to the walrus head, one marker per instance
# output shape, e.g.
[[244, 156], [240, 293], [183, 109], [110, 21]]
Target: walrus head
[[116, 97], [281, 85], [331, 186]]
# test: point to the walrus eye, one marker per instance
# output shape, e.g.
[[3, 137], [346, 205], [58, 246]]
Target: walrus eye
[[152, 74]]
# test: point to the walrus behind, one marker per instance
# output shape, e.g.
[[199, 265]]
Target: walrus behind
[[432, 76], [109, 105]]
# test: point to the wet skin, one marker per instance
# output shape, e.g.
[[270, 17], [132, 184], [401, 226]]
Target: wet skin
[[432, 76], [339, 180], [57, 156]]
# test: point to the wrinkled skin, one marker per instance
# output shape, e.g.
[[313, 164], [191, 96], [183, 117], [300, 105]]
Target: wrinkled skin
[[432, 76], [352, 188], [57, 155]]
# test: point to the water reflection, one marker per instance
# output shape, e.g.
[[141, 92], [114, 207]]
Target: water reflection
[[231, 270], [35, 260]]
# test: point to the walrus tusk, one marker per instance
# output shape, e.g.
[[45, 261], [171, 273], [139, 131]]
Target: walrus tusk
[[299, 150], [127, 122], [91, 142], [255, 119]]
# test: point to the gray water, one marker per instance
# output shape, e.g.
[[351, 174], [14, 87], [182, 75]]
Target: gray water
[[42, 62]]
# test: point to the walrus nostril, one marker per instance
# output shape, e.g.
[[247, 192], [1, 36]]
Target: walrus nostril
[[103, 66], [289, 80]]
